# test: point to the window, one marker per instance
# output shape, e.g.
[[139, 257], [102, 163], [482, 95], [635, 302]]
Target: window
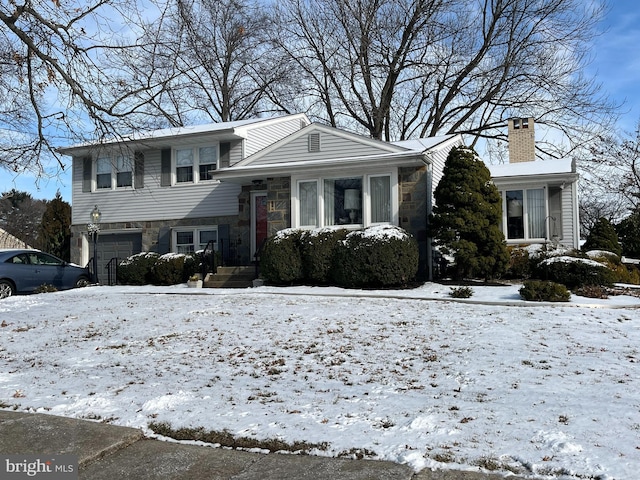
[[196, 164], [526, 214], [119, 167], [124, 171], [344, 201], [193, 239]]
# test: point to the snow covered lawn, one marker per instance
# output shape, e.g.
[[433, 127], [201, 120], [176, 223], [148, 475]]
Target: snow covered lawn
[[535, 389]]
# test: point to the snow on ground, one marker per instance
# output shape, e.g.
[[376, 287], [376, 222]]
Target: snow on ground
[[537, 389]]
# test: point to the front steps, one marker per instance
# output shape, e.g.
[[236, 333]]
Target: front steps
[[230, 277]]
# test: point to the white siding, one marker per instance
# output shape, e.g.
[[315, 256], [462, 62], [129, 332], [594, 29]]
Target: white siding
[[260, 137], [568, 220], [331, 146], [153, 202]]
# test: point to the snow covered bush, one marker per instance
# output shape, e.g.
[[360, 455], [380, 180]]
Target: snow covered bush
[[136, 269], [544, 291], [379, 256], [318, 252], [172, 268], [574, 272], [281, 258]]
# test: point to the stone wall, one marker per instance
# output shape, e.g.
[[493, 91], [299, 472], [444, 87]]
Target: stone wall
[[278, 204], [413, 202]]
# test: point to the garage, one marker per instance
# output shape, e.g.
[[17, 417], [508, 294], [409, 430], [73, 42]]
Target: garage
[[115, 245]]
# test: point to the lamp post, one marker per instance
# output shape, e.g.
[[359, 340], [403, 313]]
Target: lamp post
[[94, 229]]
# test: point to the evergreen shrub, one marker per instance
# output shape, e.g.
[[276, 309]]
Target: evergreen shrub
[[574, 272], [281, 258], [169, 269], [544, 291], [318, 248], [603, 236], [136, 269], [380, 256], [520, 263]]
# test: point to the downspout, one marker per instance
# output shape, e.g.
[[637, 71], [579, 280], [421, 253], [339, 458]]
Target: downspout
[[426, 159]]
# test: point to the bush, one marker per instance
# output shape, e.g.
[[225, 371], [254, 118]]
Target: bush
[[544, 291], [381, 256], [281, 258], [318, 249], [136, 269], [519, 263], [592, 291], [461, 292], [575, 272], [169, 269], [603, 236]]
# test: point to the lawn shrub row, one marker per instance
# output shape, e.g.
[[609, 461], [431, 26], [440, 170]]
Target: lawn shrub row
[[151, 268], [380, 256]]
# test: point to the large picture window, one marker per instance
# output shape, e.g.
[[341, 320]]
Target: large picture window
[[353, 200]]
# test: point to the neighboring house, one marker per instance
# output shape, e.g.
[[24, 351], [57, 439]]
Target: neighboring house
[[237, 183], [9, 241]]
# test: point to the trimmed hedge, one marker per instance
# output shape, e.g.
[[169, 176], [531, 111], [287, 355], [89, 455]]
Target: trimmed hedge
[[281, 258], [574, 272], [542, 291], [136, 269], [151, 268], [380, 256]]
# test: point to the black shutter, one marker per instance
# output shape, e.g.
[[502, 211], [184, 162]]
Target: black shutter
[[86, 174], [165, 166], [138, 169], [164, 240], [225, 154]]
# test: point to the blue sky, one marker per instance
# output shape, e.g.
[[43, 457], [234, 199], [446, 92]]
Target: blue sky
[[616, 63]]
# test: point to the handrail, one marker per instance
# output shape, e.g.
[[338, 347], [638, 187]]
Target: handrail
[[92, 274], [112, 271], [209, 255]]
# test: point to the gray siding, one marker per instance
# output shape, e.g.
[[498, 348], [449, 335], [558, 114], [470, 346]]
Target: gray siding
[[568, 221], [153, 202], [331, 146], [262, 136]]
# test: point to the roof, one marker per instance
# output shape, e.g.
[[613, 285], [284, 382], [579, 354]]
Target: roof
[[547, 167], [232, 129]]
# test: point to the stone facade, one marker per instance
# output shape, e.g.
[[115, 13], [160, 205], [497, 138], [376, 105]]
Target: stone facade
[[413, 183], [278, 204]]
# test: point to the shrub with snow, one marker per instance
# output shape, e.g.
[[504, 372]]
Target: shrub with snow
[[544, 291], [574, 272], [281, 258], [136, 269]]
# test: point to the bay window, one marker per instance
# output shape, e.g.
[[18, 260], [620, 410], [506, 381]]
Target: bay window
[[350, 200]]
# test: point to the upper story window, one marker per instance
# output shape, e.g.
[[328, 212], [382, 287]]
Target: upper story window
[[195, 164], [113, 172]]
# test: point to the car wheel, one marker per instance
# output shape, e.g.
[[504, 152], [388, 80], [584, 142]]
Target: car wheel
[[82, 282], [6, 289]]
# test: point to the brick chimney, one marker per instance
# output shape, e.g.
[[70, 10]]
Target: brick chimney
[[521, 140]]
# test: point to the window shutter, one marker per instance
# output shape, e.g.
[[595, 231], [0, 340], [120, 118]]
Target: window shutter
[[164, 240], [225, 154], [138, 169], [165, 167], [86, 174], [314, 142]]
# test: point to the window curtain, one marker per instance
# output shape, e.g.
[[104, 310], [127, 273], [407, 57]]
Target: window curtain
[[308, 194], [536, 213], [380, 190], [329, 202]]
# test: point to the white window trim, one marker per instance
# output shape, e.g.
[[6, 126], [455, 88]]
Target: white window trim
[[113, 160], [196, 235], [366, 198], [196, 163], [525, 212]]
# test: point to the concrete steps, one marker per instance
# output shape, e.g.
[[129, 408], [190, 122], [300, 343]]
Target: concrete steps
[[230, 277]]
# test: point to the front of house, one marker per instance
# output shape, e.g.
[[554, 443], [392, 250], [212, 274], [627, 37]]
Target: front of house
[[236, 183]]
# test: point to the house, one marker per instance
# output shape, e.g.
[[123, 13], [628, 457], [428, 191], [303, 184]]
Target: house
[[236, 183], [10, 241]]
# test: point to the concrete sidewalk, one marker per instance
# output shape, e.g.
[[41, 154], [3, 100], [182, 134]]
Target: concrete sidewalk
[[112, 452]]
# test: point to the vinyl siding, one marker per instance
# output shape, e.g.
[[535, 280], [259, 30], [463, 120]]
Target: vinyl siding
[[260, 137], [153, 202], [331, 146], [567, 215]]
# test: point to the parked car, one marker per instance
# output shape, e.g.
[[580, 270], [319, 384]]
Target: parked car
[[24, 270]]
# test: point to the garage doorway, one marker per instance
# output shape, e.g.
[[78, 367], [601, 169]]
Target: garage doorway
[[115, 245]]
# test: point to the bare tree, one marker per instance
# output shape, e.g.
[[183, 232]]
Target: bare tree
[[405, 68], [214, 60], [56, 79]]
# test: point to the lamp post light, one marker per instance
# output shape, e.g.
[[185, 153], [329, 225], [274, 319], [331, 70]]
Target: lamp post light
[[94, 230]]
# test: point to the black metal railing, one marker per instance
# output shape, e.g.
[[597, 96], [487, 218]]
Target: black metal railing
[[112, 271], [89, 267], [209, 259]]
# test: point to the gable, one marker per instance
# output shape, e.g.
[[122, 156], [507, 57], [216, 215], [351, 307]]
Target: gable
[[317, 142]]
